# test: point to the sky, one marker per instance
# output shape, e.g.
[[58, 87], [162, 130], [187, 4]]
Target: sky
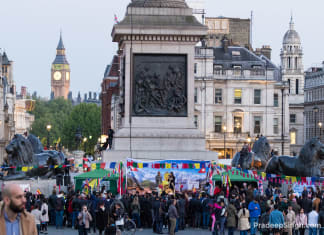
[[30, 33]]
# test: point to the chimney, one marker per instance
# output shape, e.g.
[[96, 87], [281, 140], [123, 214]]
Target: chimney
[[225, 44], [266, 51], [90, 95], [23, 92]]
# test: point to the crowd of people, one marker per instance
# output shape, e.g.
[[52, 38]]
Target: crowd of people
[[241, 208]]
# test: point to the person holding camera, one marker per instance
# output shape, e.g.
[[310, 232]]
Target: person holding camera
[[84, 218]]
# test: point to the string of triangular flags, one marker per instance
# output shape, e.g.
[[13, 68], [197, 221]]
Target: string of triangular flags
[[218, 170]]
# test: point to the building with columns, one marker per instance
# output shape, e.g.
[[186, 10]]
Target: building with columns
[[238, 97], [314, 102], [293, 74]]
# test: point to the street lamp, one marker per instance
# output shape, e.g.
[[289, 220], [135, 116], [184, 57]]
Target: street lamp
[[249, 140], [315, 109], [48, 128], [320, 124], [224, 130], [85, 139]]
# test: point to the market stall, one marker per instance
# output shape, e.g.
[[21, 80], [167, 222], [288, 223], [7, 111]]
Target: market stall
[[97, 179]]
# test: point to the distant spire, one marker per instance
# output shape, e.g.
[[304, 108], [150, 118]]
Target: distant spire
[[291, 24], [60, 45]]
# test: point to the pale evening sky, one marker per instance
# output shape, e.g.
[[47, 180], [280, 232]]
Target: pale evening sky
[[30, 32]]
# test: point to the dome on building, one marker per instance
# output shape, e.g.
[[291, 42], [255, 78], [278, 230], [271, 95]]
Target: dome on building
[[291, 36], [159, 3]]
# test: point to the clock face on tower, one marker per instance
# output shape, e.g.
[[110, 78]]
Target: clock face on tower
[[57, 76], [67, 76]]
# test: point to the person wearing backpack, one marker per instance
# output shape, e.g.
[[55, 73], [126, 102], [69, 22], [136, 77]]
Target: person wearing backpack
[[59, 210]]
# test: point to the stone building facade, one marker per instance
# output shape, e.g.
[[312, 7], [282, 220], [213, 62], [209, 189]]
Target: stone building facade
[[314, 103], [7, 104], [293, 74], [236, 30], [238, 97]]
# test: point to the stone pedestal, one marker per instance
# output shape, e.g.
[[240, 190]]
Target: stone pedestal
[[156, 45], [78, 159]]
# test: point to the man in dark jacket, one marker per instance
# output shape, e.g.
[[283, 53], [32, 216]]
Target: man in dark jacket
[[102, 218], [182, 212], [76, 207], [51, 207], [307, 204], [197, 208], [157, 213], [205, 211]]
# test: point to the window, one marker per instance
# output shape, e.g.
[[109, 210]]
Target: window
[[218, 70], [257, 125], [257, 71], [296, 63], [237, 96], [218, 96], [237, 125], [297, 86], [275, 126], [289, 62], [292, 118], [276, 100], [196, 121], [195, 68], [257, 96], [289, 85], [218, 124], [196, 95], [237, 70], [293, 137]]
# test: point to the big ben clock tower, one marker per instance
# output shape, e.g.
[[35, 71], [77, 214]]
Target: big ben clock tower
[[60, 73]]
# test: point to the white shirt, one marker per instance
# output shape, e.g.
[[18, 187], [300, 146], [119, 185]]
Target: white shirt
[[37, 214], [312, 219]]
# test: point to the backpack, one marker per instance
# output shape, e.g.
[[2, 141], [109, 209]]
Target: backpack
[[59, 204]]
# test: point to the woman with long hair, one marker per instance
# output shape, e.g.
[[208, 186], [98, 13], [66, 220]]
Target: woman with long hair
[[243, 219], [301, 221]]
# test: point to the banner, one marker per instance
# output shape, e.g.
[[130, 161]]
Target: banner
[[189, 175]]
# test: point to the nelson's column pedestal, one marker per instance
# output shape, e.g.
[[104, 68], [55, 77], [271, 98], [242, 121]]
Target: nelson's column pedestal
[[156, 44]]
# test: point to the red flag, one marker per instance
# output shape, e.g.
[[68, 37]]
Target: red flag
[[120, 179]]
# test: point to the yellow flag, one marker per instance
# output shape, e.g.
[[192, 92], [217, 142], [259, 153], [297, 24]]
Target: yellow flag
[[93, 166], [31, 167], [24, 168], [56, 166], [197, 165], [140, 165], [168, 165]]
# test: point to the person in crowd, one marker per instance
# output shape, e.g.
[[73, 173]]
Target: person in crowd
[[37, 215], [136, 210], [255, 212], [84, 219], [173, 216], [222, 218], [216, 211], [182, 212], [291, 219], [313, 221], [321, 221], [51, 207], [14, 219], [276, 220], [76, 208], [197, 209], [44, 216], [317, 202], [264, 222], [301, 221], [205, 210], [158, 215], [59, 210], [243, 220], [102, 218], [231, 217]]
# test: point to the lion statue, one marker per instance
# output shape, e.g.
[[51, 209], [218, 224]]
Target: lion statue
[[308, 163], [257, 158], [29, 152]]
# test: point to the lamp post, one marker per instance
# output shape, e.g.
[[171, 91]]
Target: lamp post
[[249, 140], [48, 128], [224, 130], [320, 124], [315, 109], [85, 139]]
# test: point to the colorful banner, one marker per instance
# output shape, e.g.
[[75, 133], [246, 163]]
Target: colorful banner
[[189, 175]]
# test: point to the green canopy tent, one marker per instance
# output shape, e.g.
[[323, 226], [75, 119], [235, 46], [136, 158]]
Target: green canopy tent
[[101, 174], [235, 177]]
